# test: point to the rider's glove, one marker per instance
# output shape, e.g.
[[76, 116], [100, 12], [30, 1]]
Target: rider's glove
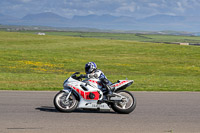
[[92, 76]]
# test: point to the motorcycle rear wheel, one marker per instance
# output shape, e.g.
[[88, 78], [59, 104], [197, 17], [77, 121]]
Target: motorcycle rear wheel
[[126, 106], [65, 105]]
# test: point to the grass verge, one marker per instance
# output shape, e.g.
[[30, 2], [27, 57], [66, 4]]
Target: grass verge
[[32, 62]]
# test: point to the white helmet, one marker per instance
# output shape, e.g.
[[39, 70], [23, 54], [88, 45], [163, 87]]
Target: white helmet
[[90, 67]]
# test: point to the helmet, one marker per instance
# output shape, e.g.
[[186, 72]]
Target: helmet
[[90, 67]]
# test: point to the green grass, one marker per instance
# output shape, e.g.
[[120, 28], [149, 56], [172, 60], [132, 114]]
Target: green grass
[[129, 36], [32, 62]]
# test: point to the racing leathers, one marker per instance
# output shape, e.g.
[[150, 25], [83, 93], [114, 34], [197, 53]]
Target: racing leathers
[[98, 74]]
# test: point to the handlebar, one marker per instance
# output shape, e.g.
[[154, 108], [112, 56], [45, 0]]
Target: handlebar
[[75, 77], [76, 73]]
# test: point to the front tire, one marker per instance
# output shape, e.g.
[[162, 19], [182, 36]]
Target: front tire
[[126, 106], [65, 105]]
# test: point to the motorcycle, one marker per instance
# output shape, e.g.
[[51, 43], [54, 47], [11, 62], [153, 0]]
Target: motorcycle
[[93, 94]]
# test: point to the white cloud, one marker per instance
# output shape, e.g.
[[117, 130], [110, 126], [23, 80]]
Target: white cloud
[[127, 7], [153, 5], [180, 7], [25, 1]]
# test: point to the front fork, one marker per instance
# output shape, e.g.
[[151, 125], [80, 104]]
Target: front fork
[[69, 91]]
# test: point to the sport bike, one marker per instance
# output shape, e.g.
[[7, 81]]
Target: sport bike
[[93, 94]]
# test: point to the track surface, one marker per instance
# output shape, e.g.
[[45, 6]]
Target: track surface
[[156, 112]]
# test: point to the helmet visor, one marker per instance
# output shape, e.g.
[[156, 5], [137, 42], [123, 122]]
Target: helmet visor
[[87, 68]]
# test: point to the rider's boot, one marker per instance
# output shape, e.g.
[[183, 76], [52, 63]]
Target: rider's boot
[[110, 92]]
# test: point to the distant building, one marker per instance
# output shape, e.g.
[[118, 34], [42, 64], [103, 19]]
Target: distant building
[[39, 33], [184, 43]]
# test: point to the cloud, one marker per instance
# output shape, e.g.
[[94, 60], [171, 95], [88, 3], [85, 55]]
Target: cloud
[[180, 7], [127, 7], [153, 5], [25, 1]]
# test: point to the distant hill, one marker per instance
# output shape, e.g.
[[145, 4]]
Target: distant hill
[[44, 17], [159, 22], [160, 18], [7, 19]]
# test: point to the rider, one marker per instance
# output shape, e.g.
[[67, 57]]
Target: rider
[[92, 72]]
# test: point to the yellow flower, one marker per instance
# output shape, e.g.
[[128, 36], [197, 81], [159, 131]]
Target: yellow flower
[[41, 64]]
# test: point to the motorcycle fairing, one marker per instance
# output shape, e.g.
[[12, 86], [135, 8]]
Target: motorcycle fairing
[[92, 104], [76, 86], [86, 94], [96, 82], [86, 102], [121, 84]]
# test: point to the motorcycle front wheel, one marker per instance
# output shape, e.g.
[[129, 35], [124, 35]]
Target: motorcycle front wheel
[[63, 104], [127, 105]]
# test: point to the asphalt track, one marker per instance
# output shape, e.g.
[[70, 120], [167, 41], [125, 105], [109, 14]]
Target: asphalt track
[[156, 112]]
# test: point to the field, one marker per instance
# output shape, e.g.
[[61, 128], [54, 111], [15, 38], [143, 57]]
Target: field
[[33, 62], [128, 36]]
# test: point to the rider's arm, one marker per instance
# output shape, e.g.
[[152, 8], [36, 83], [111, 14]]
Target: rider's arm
[[88, 76], [103, 78], [93, 75]]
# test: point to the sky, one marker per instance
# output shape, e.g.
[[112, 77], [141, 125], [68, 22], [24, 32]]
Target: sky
[[131, 8]]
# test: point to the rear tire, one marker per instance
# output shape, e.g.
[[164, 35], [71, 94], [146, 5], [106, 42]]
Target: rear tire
[[65, 105], [125, 107]]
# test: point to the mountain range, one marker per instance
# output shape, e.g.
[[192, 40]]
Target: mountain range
[[157, 22]]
